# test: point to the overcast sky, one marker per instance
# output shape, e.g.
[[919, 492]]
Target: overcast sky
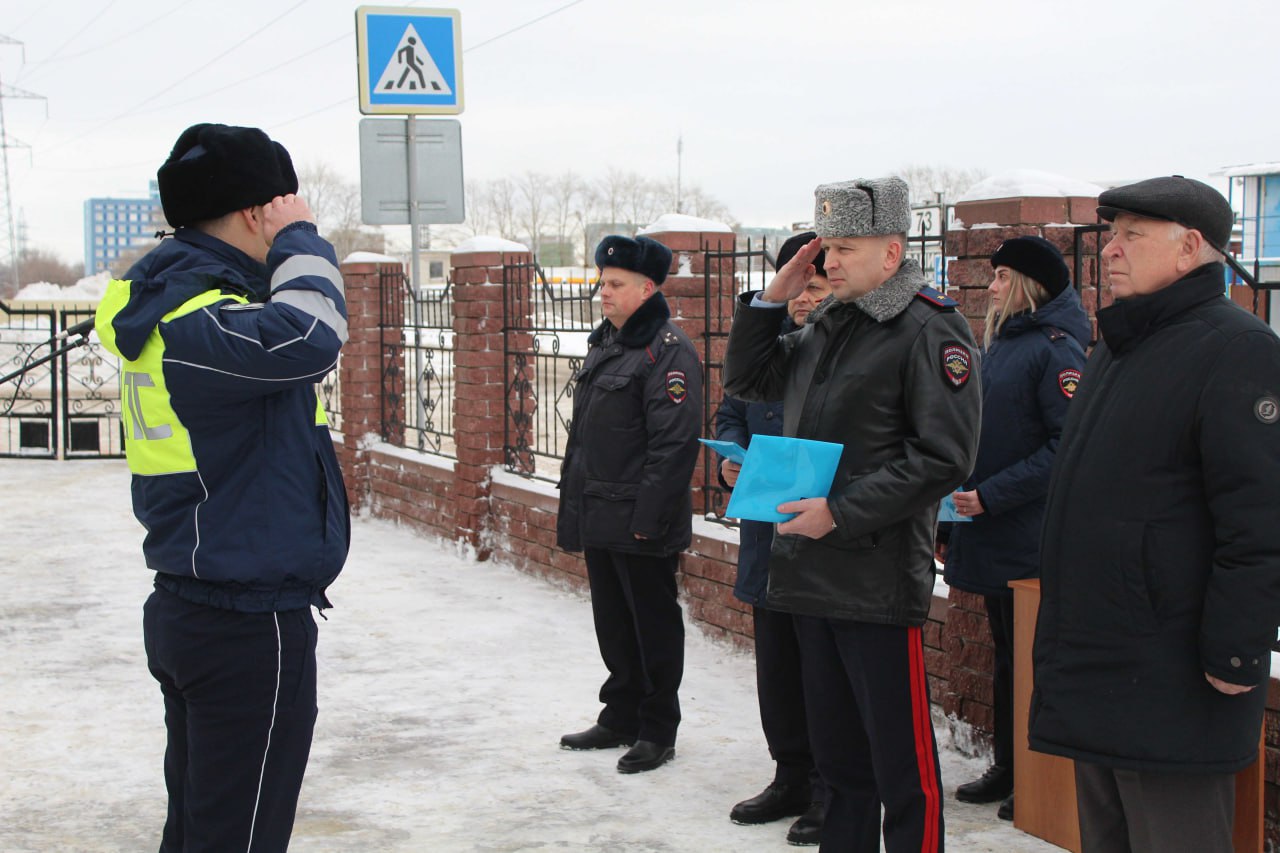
[[771, 98]]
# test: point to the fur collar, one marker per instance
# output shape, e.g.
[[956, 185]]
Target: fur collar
[[886, 301], [640, 327]]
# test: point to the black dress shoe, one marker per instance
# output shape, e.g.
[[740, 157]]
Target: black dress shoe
[[645, 755], [995, 785], [773, 803], [1005, 812], [807, 830], [596, 737]]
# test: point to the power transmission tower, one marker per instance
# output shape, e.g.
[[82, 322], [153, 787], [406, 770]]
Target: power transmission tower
[[10, 251]]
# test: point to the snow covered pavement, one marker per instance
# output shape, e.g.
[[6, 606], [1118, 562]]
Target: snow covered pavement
[[445, 685]]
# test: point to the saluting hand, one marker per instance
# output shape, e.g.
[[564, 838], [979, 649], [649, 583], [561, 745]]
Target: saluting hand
[[814, 519], [794, 277], [281, 211]]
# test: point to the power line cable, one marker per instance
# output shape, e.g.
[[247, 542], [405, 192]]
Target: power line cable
[[40, 64], [93, 20], [130, 112]]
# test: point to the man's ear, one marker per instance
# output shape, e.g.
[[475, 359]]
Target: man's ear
[[1189, 248], [893, 253], [252, 217]]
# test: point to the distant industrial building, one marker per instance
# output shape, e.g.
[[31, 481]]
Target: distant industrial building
[[112, 226]]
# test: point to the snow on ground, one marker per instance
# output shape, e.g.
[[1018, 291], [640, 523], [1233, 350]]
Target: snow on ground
[[445, 685]]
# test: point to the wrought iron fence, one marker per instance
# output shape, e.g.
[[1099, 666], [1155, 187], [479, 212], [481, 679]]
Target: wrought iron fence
[[417, 364], [91, 409], [66, 407], [545, 328], [725, 275], [330, 390]]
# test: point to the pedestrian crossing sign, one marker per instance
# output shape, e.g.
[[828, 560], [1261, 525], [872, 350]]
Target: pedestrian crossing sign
[[409, 60]]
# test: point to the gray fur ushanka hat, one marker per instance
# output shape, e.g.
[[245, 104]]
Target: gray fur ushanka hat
[[863, 207]]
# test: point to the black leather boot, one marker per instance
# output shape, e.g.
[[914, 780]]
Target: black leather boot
[[773, 803], [645, 755], [995, 785], [596, 737], [808, 829]]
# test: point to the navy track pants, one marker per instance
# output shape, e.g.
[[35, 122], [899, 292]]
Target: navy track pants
[[240, 707]]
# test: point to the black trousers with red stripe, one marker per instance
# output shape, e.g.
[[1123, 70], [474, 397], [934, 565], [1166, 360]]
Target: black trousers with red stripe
[[867, 699], [240, 707]]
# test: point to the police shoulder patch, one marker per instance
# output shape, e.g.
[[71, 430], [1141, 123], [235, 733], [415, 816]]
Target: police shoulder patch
[[936, 298], [956, 363], [677, 386], [1068, 380]]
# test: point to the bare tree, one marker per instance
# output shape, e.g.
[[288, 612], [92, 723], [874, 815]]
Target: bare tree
[[503, 202], [931, 183], [565, 191], [38, 265], [335, 201], [532, 188]]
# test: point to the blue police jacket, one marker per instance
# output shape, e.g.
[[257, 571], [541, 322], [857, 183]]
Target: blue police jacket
[[1029, 375], [234, 473]]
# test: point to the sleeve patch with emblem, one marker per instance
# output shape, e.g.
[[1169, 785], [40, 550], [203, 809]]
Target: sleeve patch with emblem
[[957, 364], [1068, 380], [677, 386], [1267, 409]]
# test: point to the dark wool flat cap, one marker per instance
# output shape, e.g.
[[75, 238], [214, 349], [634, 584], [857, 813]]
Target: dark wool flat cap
[[1037, 258], [1189, 203], [215, 169], [643, 255], [788, 250], [862, 208]]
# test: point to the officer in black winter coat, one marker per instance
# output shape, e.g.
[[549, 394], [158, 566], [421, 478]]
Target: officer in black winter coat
[[625, 501], [886, 368], [796, 788], [1160, 559], [1036, 334]]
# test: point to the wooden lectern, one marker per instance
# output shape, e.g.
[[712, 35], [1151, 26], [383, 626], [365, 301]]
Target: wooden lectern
[[1045, 785]]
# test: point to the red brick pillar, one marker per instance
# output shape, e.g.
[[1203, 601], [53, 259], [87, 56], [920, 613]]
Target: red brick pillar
[[479, 384], [982, 225], [366, 399], [697, 312]]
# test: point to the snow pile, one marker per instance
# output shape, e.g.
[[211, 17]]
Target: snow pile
[[680, 222], [85, 290], [369, 258], [1031, 183], [483, 243]]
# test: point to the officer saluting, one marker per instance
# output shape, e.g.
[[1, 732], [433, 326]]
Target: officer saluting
[[886, 368], [624, 498]]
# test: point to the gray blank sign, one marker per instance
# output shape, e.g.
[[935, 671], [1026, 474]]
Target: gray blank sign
[[384, 171]]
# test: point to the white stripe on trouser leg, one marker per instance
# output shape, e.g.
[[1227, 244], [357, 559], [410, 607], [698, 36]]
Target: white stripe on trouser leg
[[274, 702]]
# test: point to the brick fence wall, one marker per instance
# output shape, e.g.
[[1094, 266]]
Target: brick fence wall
[[471, 501]]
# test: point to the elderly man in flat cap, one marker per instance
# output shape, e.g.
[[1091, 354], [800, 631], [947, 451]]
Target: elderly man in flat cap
[[625, 501], [1160, 558], [887, 368], [224, 332]]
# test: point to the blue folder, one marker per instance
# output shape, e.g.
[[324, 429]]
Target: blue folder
[[947, 511], [779, 469], [730, 450]]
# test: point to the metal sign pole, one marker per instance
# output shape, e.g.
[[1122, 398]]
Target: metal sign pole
[[415, 292]]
